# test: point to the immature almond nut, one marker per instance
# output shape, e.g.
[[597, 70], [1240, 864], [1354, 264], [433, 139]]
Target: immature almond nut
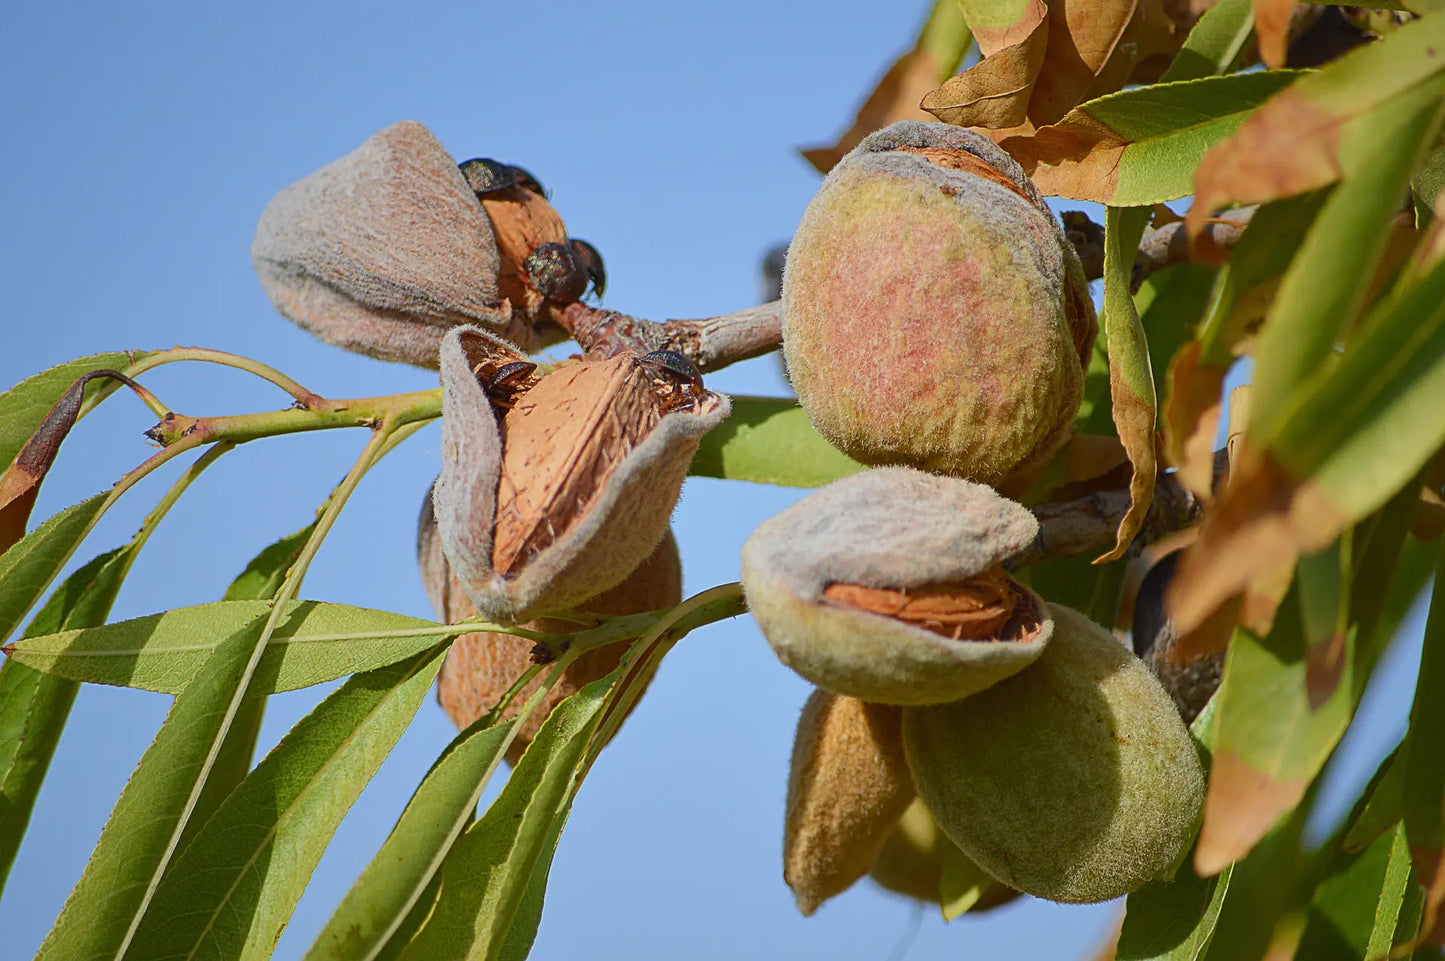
[[1074, 780], [933, 312], [481, 667], [555, 494], [848, 787], [384, 250], [888, 586]]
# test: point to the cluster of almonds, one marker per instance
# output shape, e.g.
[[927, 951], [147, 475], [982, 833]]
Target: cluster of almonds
[[935, 323], [936, 320], [556, 487]]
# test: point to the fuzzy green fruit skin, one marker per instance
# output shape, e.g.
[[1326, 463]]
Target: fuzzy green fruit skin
[[1075, 780], [925, 319]]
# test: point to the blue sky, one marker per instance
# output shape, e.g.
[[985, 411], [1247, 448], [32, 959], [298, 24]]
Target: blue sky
[[142, 142]]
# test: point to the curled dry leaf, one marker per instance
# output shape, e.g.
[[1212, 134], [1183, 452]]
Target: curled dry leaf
[[1049, 58], [557, 499], [887, 586], [387, 248], [848, 787], [481, 667], [1304, 138], [20, 482]]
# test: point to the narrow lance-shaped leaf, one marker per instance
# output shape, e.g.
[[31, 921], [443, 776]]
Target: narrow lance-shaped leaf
[[1131, 381], [1141, 146], [486, 876], [1357, 432], [230, 893], [261, 579], [1357, 903], [1216, 44], [314, 643], [1307, 137], [1242, 291], [34, 706], [1286, 699], [768, 440], [397, 878], [100, 915], [1423, 792], [29, 566]]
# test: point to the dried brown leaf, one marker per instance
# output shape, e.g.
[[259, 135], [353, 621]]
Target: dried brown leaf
[[1192, 408], [1058, 57], [20, 484], [1247, 548], [1289, 146], [1241, 805], [1271, 27]]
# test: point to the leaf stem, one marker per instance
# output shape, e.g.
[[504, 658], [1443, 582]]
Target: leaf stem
[[303, 396]]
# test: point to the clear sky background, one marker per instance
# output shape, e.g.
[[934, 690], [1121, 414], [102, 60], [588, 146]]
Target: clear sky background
[[139, 143]]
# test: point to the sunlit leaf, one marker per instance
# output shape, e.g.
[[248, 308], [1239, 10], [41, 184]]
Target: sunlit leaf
[[1357, 430], [313, 643], [34, 706], [768, 440], [1140, 146], [1321, 128], [1243, 290], [1216, 44], [1358, 902], [486, 876], [29, 566], [1287, 698], [1131, 379], [261, 579], [138, 841], [396, 880], [230, 892], [1424, 759]]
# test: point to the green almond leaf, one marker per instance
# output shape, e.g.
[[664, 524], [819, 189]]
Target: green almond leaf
[[1381, 805], [1361, 428], [486, 876], [1357, 902], [1173, 920], [394, 883], [1328, 280], [1171, 302], [106, 904], [34, 706], [1132, 398], [768, 440], [314, 643], [261, 579], [961, 885], [24, 406], [1141, 146], [1286, 699], [1217, 43], [28, 567], [1423, 751], [231, 891]]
